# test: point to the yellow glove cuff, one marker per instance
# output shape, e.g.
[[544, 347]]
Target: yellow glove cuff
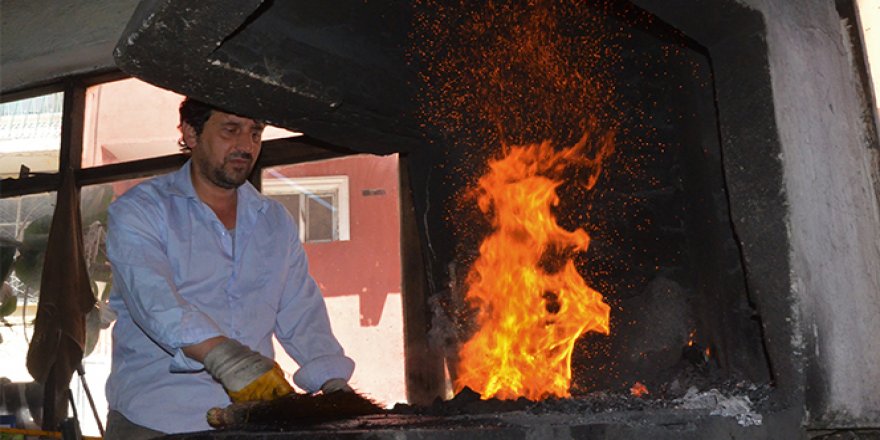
[[269, 386]]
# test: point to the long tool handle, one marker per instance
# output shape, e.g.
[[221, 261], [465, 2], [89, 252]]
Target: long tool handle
[[82, 378]]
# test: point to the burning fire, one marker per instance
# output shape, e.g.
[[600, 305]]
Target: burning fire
[[638, 390], [532, 303]]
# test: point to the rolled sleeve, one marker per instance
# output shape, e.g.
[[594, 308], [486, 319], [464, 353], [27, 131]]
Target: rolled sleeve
[[312, 375]]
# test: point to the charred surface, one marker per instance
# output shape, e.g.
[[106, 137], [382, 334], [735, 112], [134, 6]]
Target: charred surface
[[335, 70], [735, 413]]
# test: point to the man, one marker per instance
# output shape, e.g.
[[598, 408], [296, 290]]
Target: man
[[205, 271]]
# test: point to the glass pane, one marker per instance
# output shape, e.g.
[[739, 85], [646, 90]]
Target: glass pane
[[319, 222], [130, 119], [359, 271], [26, 221], [30, 134], [291, 202], [24, 229]]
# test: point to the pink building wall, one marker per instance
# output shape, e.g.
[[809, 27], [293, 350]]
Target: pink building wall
[[367, 265]]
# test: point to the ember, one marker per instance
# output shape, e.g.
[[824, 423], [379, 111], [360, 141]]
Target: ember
[[638, 390], [531, 310]]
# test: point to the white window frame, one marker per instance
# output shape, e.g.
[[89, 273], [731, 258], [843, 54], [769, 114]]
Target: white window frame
[[279, 184]]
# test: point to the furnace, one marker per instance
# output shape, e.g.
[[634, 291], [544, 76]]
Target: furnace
[[717, 186]]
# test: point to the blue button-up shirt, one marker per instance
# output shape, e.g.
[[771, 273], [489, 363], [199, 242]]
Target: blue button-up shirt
[[180, 277]]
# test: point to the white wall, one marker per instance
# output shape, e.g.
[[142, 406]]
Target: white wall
[[831, 177]]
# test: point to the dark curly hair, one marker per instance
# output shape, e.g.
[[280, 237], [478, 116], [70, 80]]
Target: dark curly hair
[[195, 113]]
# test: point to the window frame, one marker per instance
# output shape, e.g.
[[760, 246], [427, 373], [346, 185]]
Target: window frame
[[317, 184], [281, 151], [70, 153]]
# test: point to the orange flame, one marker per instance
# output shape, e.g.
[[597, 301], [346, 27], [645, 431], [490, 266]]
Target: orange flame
[[638, 389], [529, 318]]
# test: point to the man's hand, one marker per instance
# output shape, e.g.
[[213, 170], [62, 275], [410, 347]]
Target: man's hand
[[334, 385], [245, 374]]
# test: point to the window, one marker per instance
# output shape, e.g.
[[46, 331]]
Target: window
[[119, 128], [320, 204], [30, 134]]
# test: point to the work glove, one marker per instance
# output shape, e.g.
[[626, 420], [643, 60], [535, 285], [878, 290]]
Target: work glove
[[245, 374], [334, 385]]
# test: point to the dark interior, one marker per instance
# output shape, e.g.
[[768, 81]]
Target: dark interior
[[663, 250]]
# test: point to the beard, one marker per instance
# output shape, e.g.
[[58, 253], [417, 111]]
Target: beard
[[227, 175]]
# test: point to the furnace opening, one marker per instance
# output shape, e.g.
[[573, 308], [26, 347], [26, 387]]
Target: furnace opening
[[662, 251]]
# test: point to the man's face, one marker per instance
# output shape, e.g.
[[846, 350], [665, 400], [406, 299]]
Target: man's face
[[227, 148]]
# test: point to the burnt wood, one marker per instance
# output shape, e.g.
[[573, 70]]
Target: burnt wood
[[423, 360]]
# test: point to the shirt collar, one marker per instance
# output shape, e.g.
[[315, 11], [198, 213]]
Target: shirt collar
[[180, 184]]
